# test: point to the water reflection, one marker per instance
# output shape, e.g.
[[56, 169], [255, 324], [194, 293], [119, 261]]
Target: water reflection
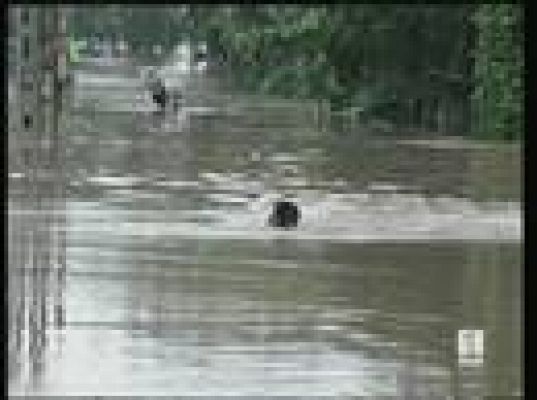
[[176, 285]]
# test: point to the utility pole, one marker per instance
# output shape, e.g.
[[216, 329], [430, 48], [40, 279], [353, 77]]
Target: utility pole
[[36, 165]]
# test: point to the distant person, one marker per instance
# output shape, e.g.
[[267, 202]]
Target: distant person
[[160, 95], [74, 51]]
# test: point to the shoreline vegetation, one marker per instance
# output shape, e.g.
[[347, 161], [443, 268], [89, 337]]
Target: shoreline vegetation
[[445, 69]]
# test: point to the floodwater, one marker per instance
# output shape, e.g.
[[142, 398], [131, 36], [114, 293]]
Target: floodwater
[[402, 279]]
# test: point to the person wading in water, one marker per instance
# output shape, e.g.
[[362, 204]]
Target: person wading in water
[[160, 95]]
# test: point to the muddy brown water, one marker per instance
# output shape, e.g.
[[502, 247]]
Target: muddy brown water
[[173, 283]]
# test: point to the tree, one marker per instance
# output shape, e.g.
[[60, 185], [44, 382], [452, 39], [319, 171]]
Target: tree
[[498, 96]]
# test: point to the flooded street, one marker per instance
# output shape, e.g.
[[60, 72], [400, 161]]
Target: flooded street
[[176, 285]]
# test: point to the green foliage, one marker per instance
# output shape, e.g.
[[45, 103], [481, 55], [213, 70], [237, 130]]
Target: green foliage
[[383, 58], [498, 98], [334, 51], [276, 49]]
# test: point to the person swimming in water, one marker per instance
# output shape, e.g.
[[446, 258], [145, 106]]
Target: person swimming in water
[[285, 214]]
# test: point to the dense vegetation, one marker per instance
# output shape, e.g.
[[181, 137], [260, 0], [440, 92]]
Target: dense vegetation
[[498, 94], [454, 69]]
